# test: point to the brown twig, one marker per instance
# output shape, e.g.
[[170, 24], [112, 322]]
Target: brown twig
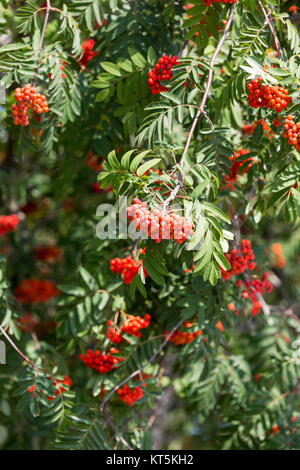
[[48, 8], [17, 349], [272, 29], [137, 371]]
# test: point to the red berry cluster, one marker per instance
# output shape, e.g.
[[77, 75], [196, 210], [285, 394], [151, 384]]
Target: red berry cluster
[[34, 291], [292, 131], [239, 261], [131, 326], [266, 96], [47, 253], [102, 363], [181, 337], [162, 71], [127, 267], [235, 169], [159, 225], [8, 223], [27, 98], [88, 52], [252, 287], [257, 285], [112, 334], [130, 396], [134, 324]]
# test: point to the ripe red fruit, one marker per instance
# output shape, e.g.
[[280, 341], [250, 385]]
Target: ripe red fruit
[[8, 223], [127, 267], [220, 326], [129, 396], [239, 261], [131, 326], [159, 225], [235, 169], [88, 52], [162, 71], [266, 96], [292, 131], [181, 337], [102, 363]]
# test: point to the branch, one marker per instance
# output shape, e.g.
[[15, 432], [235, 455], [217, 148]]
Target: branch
[[17, 349], [272, 29], [48, 8], [182, 48], [265, 308], [287, 312], [140, 369], [212, 62], [203, 101]]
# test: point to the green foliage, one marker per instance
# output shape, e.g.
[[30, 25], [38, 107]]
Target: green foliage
[[239, 378]]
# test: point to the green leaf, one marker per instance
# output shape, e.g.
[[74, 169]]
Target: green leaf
[[88, 278], [136, 161], [125, 160], [171, 96], [222, 261], [215, 210], [137, 58], [111, 68], [146, 166], [151, 56]]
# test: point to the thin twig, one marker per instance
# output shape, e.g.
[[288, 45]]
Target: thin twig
[[265, 308], [17, 349], [272, 29], [137, 371], [203, 102], [287, 312], [48, 8], [213, 59], [182, 48]]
